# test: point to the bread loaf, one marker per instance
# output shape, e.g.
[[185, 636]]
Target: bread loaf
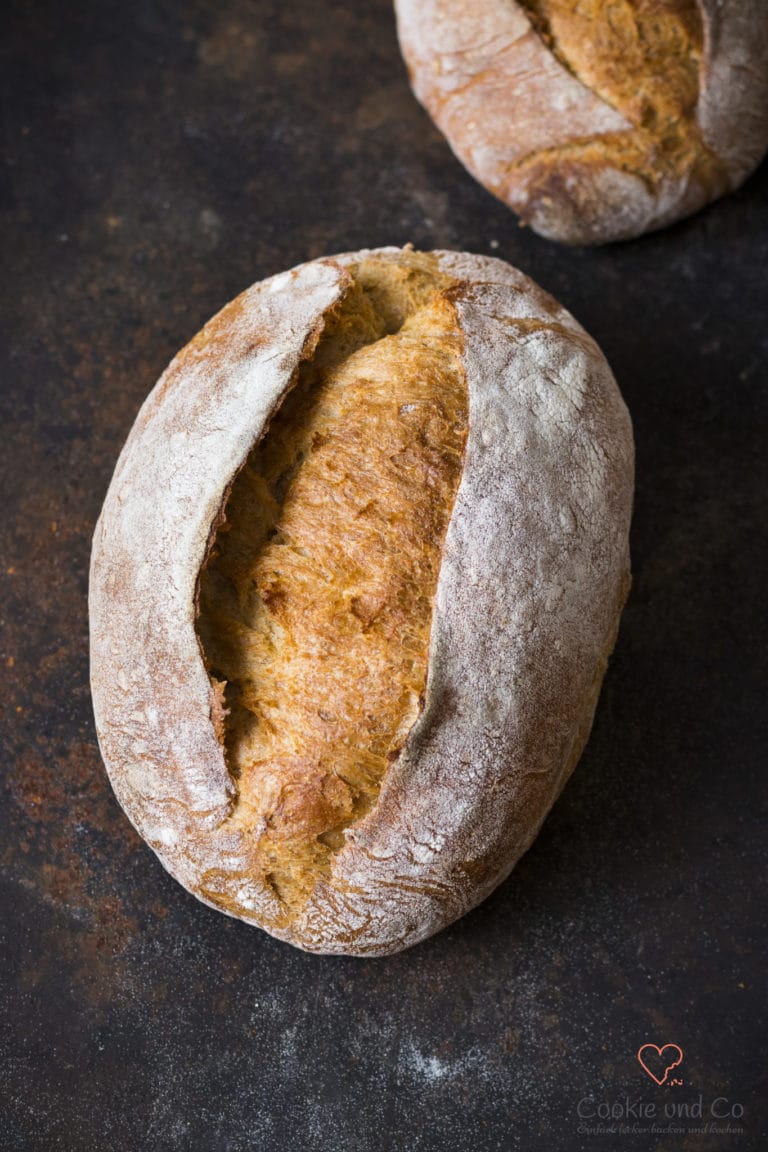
[[600, 120], [353, 590]]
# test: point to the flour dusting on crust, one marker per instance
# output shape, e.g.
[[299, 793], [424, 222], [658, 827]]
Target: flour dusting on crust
[[560, 152], [534, 574]]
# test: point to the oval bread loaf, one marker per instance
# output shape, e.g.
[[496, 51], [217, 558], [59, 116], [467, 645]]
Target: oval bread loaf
[[353, 591], [600, 120]]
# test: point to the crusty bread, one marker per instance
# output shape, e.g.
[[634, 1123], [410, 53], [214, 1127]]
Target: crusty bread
[[353, 591], [350, 492], [597, 121]]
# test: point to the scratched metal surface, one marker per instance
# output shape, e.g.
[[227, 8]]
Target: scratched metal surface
[[157, 158]]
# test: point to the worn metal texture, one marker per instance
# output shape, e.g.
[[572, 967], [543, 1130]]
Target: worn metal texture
[[158, 157]]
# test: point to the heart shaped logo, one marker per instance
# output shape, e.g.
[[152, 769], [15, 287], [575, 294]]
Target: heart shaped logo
[[659, 1062]]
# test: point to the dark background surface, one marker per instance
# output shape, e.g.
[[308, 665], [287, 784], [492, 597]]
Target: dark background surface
[[158, 157]]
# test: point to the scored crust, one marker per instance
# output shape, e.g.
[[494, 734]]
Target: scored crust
[[562, 137], [317, 597], [534, 572]]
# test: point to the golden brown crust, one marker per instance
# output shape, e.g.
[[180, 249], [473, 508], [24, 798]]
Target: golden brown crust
[[316, 607], [595, 121], [641, 57], [532, 577]]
